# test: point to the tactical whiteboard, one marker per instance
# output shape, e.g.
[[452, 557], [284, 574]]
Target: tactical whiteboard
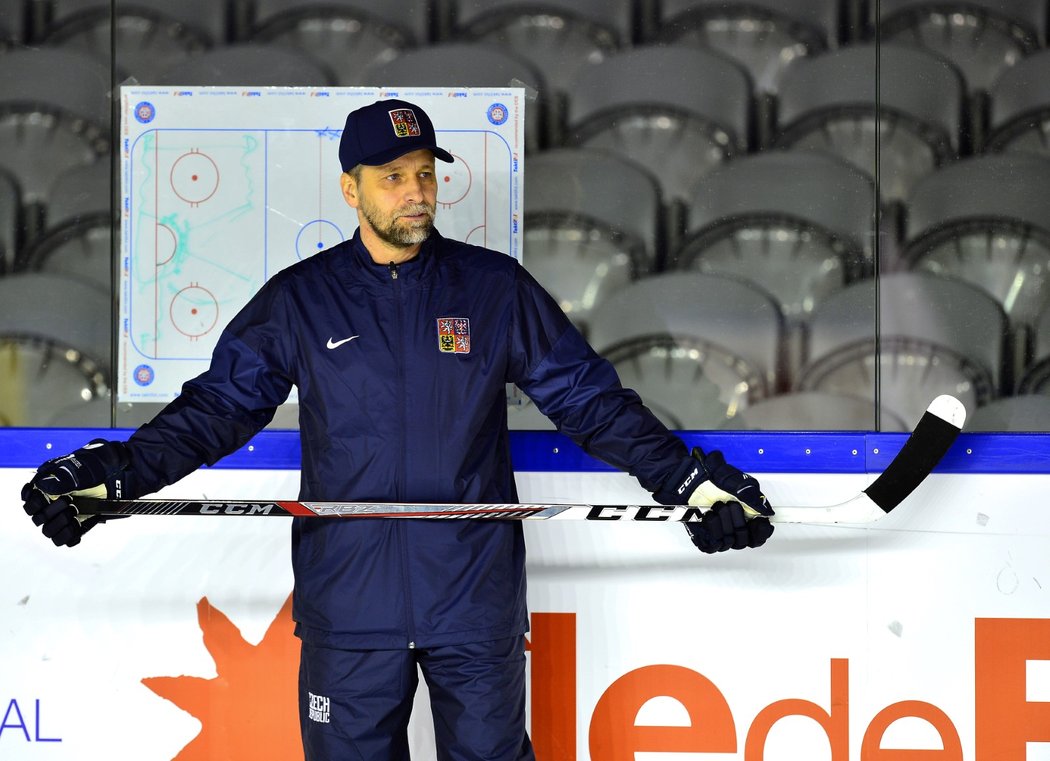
[[222, 187]]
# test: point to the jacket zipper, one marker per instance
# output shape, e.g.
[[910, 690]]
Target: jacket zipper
[[398, 488]]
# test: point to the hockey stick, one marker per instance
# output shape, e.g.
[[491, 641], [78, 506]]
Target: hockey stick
[[932, 437]]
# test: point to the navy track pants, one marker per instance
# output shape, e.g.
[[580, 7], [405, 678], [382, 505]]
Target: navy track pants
[[354, 705]]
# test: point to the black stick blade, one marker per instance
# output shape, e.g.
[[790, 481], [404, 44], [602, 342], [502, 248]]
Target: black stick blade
[[931, 439]]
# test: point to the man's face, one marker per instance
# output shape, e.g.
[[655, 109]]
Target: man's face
[[397, 200]]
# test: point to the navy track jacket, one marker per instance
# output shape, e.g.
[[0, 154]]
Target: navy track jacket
[[402, 375]]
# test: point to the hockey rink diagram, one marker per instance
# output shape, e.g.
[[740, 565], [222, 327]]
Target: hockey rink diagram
[[212, 211]]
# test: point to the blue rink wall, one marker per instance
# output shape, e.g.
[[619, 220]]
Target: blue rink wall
[[927, 631]]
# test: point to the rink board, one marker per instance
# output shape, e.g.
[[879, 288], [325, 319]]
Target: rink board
[[928, 631]]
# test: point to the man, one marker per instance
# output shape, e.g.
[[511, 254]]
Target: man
[[400, 343]]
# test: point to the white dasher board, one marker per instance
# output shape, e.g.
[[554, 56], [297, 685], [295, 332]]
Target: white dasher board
[[222, 187]]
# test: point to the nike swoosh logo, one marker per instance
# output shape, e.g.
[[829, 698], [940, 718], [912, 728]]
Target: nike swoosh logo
[[336, 344]]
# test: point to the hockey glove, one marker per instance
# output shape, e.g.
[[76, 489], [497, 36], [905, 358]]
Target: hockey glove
[[707, 480], [98, 469]]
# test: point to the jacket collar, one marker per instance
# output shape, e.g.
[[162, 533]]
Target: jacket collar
[[414, 272]]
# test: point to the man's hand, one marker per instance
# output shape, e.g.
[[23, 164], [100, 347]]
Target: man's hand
[[739, 515], [726, 527], [98, 469]]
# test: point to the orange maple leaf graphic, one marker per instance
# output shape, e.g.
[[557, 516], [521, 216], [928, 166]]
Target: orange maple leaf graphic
[[250, 709]]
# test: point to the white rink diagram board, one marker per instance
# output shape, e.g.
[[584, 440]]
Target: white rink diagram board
[[223, 187]]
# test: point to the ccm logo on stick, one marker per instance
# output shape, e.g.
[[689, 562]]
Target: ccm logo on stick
[[234, 508], [645, 513]]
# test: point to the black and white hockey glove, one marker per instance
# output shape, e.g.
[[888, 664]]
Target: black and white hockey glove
[[98, 469], [739, 515]]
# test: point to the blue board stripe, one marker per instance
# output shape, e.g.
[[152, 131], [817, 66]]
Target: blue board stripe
[[756, 451]]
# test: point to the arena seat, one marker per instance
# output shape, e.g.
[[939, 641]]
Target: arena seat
[[343, 36], [908, 127], [54, 347], [559, 37], [50, 123], [677, 111], [764, 36], [1015, 413], [814, 411], [772, 219], [935, 336], [13, 22], [250, 64], [1036, 377], [10, 214], [985, 220], [982, 38], [698, 348], [148, 36], [467, 64], [591, 225], [78, 235], [1019, 110]]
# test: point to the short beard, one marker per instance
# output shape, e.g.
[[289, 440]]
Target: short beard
[[388, 229]]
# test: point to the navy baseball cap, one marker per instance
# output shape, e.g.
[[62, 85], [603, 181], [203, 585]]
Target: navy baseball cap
[[384, 130]]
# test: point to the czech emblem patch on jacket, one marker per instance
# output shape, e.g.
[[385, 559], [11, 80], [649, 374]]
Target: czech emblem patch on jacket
[[454, 335]]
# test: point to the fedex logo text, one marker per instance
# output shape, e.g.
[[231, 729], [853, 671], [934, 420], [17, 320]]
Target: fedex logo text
[[1005, 717]]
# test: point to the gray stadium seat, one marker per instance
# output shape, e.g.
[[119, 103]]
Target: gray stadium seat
[[465, 64], [814, 411], [591, 225], [148, 36], [698, 348], [910, 126], [677, 111], [1020, 107], [344, 36], [982, 37], [10, 213], [1015, 413], [985, 220], [936, 336], [12, 23], [795, 224], [78, 235], [50, 123], [558, 37], [54, 347], [762, 35], [251, 64], [1036, 378]]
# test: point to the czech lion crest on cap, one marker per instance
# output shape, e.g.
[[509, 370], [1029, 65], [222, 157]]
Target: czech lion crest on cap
[[405, 123]]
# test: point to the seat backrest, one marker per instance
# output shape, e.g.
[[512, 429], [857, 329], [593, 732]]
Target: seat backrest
[[763, 36], [465, 64], [982, 37], [1019, 101], [984, 220], [205, 17], [250, 64], [913, 82], [814, 411], [9, 220], [940, 311], [719, 310], [673, 77], [824, 16], [597, 186], [1028, 14], [615, 16], [413, 18]]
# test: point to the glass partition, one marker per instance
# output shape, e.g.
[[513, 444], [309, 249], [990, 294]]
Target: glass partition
[[772, 214]]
